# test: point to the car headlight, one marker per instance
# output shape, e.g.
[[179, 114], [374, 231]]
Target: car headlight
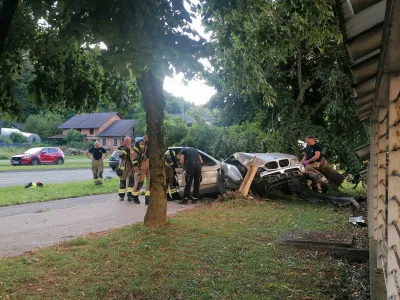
[[302, 169], [294, 161], [26, 156]]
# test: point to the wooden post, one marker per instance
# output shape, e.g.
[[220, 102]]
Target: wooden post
[[246, 184], [380, 188], [393, 271]]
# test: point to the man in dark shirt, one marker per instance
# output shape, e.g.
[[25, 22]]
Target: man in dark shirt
[[190, 158], [312, 158], [97, 162]]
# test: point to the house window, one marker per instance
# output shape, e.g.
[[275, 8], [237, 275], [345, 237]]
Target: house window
[[91, 131], [115, 142], [104, 142]]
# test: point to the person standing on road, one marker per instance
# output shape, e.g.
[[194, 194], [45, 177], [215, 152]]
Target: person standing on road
[[141, 166], [125, 170], [191, 160], [97, 162]]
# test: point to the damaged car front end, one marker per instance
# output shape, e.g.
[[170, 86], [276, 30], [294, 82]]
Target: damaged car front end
[[274, 171]]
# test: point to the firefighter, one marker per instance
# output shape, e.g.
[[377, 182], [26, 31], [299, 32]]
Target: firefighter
[[172, 182], [141, 167], [97, 162], [192, 160], [125, 170]]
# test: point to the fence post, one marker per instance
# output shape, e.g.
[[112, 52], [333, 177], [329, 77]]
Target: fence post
[[393, 258]]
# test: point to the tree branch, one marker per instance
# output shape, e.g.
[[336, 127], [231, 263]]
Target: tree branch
[[7, 13], [303, 90], [320, 104], [299, 70]]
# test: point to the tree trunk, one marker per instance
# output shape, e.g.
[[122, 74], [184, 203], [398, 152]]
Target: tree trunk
[[154, 104], [7, 12]]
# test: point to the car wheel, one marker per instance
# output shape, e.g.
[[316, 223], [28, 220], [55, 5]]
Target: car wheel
[[35, 162], [113, 168], [220, 186], [286, 191], [59, 161]]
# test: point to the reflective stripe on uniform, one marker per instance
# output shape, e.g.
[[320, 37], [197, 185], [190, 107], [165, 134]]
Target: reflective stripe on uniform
[[136, 149], [121, 191], [173, 191], [122, 168], [129, 190], [147, 193], [135, 193]]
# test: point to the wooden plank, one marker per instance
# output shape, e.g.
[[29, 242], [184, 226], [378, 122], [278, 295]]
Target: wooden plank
[[316, 238]]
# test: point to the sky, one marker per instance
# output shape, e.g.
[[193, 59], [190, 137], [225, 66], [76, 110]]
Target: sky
[[196, 91]]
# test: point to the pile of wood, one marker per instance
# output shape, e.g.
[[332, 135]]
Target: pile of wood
[[72, 151]]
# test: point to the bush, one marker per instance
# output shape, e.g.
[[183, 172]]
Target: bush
[[44, 125], [5, 140], [17, 137], [175, 130], [73, 136]]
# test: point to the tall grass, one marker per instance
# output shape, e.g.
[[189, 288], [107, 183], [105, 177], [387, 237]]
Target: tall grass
[[7, 152]]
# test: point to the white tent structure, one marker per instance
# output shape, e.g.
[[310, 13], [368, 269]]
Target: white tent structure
[[32, 137]]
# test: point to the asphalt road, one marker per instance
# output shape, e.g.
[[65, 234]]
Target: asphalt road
[[10, 178], [31, 226]]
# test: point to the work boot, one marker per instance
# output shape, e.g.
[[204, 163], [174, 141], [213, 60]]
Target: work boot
[[194, 200], [130, 198], [136, 199], [121, 198], [183, 201], [146, 200]]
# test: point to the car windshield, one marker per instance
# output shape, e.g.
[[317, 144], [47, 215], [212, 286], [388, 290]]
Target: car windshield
[[115, 153], [33, 150]]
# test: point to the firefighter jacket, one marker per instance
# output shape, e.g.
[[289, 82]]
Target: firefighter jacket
[[140, 157], [125, 160]]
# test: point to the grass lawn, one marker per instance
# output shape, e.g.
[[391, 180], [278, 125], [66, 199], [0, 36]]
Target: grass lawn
[[19, 195], [215, 251], [76, 163]]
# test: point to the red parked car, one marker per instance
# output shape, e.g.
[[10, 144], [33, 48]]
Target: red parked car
[[39, 156]]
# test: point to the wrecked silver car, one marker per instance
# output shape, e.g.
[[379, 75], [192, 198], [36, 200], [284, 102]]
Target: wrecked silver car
[[274, 171]]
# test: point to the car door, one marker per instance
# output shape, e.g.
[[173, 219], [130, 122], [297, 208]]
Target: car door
[[44, 156], [53, 155], [209, 173]]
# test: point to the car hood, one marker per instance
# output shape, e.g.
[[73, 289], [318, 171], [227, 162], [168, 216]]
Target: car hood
[[21, 155], [260, 159]]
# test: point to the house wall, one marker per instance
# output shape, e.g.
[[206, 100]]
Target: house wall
[[109, 142]]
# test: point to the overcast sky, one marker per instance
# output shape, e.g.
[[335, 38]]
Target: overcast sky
[[196, 91]]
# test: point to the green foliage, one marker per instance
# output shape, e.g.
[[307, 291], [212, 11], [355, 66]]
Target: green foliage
[[44, 124], [282, 64], [17, 137], [176, 105], [5, 140], [175, 130], [80, 145], [73, 136]]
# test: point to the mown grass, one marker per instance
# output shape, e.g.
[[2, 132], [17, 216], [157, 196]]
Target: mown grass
[[7, 152], [19, 195], [70, 163], [220, 251]]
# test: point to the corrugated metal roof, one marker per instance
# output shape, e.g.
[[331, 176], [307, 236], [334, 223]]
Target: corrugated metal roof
[[94, 120], [118, 128], [362, 26]]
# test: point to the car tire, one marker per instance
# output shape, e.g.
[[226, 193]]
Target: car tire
[[35, 162], [286, 191], [113, 168], [59, 161], [220, 186]]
